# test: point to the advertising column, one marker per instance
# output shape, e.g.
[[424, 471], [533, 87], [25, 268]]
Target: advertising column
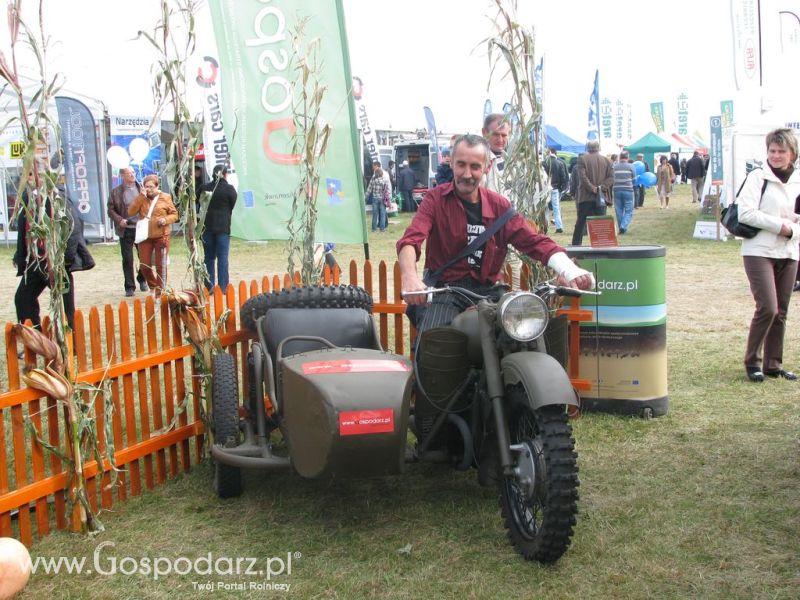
[[624, 347]]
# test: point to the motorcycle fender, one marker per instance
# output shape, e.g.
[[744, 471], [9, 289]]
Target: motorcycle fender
[[542, 376]]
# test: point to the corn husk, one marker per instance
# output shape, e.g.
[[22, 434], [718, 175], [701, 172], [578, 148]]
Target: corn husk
[[37, 342], [183, 298], [198, 333], [50, 382]]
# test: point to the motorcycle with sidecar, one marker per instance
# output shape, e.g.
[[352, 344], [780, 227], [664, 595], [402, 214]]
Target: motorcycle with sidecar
[[325, 400]]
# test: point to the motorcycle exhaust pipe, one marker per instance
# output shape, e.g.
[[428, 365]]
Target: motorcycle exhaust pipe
[[248, 462], [466, 437]]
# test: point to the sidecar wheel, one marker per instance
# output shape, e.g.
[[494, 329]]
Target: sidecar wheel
[[326, 296], [539, 503], [225, 407]]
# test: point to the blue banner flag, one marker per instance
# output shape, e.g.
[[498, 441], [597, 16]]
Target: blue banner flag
[[593, 127], [432, 132], [81, 160], [487, 108]]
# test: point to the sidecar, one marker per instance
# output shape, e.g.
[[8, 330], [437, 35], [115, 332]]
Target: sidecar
[[320, 388]]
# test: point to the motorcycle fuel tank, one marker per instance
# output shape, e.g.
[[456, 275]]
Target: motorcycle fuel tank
[[345, 411]]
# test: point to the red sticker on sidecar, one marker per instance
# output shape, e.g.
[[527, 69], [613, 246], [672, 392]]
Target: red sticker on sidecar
[[360, 422], [357, 365]]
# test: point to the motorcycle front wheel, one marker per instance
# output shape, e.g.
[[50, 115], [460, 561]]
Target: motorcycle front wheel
[[539, 502]]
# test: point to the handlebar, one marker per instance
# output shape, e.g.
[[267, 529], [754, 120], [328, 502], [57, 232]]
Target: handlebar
[[459, 290], [562, 290], [541, 289]]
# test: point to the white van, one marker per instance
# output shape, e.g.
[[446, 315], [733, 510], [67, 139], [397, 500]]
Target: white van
[[421, 160]]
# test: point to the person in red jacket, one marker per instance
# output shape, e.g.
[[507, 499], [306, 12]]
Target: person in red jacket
[[453, 214], [154, 251]]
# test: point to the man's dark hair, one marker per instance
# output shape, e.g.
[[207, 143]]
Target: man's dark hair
[[492, 118], [472, 140], [219, 171]]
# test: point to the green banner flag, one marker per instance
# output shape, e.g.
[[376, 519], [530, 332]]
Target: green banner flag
[[260, 88], [657, 112], [726, 108]]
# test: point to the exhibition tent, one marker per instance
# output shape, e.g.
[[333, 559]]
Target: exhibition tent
[[561, 141], [684, 144], [648, 145]]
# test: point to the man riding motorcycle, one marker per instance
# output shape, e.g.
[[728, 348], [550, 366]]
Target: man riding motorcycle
[[459, 211]]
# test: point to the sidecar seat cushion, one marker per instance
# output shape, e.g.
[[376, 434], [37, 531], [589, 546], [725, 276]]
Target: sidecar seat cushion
[[341, 326]]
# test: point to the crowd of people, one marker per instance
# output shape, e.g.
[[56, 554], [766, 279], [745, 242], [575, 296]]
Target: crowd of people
[[469, 197], [131, 202], [129, 205]]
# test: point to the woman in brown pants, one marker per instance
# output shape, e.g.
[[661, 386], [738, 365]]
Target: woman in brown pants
[[767, 201], [154, 251]]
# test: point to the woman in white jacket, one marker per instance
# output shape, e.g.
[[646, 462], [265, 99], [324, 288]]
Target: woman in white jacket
[[766, 202]]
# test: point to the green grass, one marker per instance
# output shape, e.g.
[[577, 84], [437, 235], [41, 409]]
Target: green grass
[[700, 503]]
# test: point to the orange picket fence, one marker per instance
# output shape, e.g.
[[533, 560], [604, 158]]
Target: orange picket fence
[[137, 353]]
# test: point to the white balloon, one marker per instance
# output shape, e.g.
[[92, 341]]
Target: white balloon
[[139, 149], [118, 157]]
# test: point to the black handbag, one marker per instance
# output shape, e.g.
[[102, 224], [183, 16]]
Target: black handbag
[[729, 217], [730, 221]]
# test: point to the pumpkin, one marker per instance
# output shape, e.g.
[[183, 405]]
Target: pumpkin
[[15, 567]]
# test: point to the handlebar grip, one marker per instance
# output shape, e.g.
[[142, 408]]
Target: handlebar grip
[[568, 291]]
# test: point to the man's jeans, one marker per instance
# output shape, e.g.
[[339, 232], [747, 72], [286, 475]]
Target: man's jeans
[[555, 199], [623, 206], [217, 247], [126, 244], [588, 208], [639, 192], [408, 201], [378, 213]]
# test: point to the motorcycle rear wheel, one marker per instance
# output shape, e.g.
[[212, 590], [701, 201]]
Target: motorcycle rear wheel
[[539, 513], [225, 408]]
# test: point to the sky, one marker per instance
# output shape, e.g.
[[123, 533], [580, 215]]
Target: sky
[[413, 53]]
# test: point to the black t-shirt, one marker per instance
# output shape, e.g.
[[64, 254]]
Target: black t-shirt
[[475, 227]]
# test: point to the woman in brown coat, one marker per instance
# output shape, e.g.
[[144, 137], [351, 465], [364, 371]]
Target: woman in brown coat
[[154, 251], [664, 178]]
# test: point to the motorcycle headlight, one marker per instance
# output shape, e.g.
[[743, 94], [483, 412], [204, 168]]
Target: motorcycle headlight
[[523, 316]]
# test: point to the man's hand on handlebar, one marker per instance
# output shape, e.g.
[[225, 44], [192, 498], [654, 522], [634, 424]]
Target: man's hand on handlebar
[[584, 281], [412, 283]]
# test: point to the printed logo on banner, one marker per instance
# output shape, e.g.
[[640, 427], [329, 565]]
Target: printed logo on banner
[[247, 197], [209, 80], [335, 192], [606, 114], [683, 114]]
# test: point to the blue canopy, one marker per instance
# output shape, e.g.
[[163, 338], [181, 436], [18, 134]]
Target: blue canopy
[[561, 141]]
